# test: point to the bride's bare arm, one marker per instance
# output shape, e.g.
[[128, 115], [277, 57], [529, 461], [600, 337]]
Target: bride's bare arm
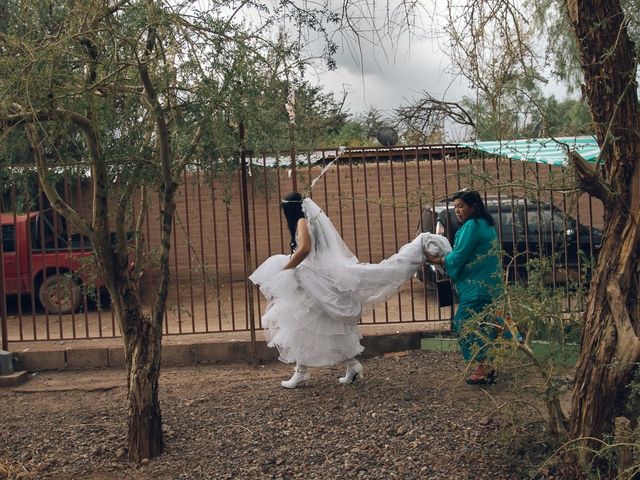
[[304, 245]]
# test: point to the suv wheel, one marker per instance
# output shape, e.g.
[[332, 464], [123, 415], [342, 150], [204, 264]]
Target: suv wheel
[[60, 293]]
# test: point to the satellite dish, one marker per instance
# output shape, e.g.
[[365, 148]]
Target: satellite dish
[[387, 136]]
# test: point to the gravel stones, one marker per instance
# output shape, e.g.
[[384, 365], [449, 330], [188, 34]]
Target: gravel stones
[[411, 417]]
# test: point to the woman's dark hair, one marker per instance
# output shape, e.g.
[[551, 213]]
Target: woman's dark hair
[[292, 209], [473, 199]]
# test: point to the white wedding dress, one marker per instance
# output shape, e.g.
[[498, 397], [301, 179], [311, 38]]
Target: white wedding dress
[[313, 310]]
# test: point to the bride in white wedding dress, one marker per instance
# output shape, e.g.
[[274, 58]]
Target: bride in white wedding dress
[[317, 295]]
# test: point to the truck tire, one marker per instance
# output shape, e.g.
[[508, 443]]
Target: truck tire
[[60, 293]]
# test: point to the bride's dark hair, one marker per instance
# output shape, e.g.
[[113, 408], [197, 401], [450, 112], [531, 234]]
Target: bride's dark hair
[[292, 208]]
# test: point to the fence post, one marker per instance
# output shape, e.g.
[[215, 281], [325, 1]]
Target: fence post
[[3, 304], [247, 245]]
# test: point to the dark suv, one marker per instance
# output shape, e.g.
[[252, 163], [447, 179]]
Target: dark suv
[[527, 229]]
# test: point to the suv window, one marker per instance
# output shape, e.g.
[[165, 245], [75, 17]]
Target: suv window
[[510, 224], [543, 225], [8, 238]]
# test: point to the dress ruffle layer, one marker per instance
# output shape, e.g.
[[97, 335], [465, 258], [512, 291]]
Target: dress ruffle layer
[[302, 328]]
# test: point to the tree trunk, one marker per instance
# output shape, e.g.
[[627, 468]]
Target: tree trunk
[[610, 346], [145, 438], [143, 348]]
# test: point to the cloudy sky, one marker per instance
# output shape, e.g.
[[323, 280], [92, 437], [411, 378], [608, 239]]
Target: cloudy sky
[[398, 72], [391, 74], [389, 82]]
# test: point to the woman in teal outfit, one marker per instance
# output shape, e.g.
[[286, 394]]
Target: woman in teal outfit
[[474, 266]]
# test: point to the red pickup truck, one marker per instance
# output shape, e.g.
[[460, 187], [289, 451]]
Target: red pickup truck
[[40, 257]]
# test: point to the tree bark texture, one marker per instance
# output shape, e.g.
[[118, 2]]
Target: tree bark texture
[[610, 346], [143, 353]]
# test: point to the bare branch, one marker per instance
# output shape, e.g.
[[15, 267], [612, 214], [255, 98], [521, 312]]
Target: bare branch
[[588, 180], [58, 204], [430, 114], [139, 241]]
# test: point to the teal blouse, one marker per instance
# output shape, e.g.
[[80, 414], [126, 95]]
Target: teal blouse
[[474, 263]]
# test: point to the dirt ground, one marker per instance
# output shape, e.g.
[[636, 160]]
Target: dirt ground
[[411, 417]]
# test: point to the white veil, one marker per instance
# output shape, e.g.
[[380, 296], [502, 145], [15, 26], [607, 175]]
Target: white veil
[[325, 273], [332, 274], [329, 250]]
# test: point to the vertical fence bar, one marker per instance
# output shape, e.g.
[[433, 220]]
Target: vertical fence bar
[[282, 243], [189, 245], [255, 294], [500, 233], [247, 247], [395, 224], [434, 224], [565, 240], [4, 327], [324, 182], [309, 179], [85, 303], [32, 284], [538, 211], [366, 206], [339, 194], [421, 229], [447, 226], [56, 247], [215, 244], [44, 258], [578, 243], [178, 306], [552, 230], [353, 205], [244, 235], [525, 213], [230, 270], [407, 219], [455, 155], [513, 222], [266, 201], [65, 181], [380, 206], [17, 249], [202, 257]]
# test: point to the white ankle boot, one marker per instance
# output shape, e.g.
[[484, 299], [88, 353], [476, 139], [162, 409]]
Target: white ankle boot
[[353, 373], [300, 377]]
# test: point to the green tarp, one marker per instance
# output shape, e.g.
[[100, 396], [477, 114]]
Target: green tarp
[[551, 151]]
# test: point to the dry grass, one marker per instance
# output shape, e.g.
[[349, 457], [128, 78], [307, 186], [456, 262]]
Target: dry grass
[[13, 471]]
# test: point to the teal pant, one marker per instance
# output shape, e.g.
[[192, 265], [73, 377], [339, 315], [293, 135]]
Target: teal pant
[[471, 344]]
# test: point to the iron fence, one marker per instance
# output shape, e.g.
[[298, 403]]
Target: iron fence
[[378, 199]]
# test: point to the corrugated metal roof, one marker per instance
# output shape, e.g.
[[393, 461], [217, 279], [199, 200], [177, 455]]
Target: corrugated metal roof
[[552, 151]]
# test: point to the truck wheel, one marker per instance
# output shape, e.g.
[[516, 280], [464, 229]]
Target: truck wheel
[[60, 294]]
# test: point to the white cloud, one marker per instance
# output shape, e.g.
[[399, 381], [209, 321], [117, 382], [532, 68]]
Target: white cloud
[[388, 81]]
